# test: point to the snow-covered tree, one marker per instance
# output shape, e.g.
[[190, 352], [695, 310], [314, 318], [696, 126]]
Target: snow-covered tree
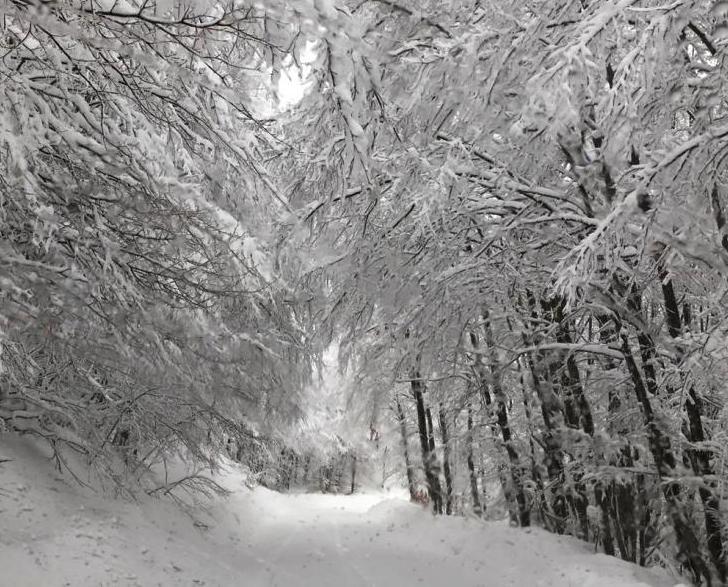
[[142, 308]]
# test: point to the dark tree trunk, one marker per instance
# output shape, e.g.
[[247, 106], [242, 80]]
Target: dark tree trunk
[[577, 410], [446, 461], [353, 473], [487, 402], [431, 476], [293, 479], [524, 512], [640, 535], [430, 435], [720, 220], [339, 470], [435, 465], [625, 510], [647, 533], [616, 499], [693, 430], [536, 472], [405, 448], [306, 468], [662, 453], [606, 536], [541, 368]]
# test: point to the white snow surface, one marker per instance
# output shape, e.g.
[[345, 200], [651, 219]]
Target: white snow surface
[[57, 533]]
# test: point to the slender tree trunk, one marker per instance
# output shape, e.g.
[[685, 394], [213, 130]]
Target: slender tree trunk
[[478, 509], [430, 433], [353, 473], [536, 472], [384, 466], [641, 534], [431, 476], [483, 382], [446, 458], [720, 219], [626, 510], [294, 471], [615, 499], [692, 427], [405, 448], [306, 469], [693, 430], [660, 447], [487, 402], [433, 454], [553, 419], [339, 470], [606, 531], [577, 410], [524, 512], [646, 534]]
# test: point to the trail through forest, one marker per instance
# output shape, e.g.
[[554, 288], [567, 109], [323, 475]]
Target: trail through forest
[[472, 248], [58, 533]]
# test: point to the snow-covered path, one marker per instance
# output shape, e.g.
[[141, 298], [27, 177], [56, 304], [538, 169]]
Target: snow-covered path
[[355, 541], [55, 533]]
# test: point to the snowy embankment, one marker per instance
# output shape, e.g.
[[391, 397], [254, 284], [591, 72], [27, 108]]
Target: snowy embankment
[[56, 532]]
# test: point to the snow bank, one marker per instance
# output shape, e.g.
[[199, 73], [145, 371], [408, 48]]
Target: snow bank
[[56, 532], [398, 512]]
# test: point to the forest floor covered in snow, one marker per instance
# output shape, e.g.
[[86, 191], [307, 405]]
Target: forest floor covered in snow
[[55, 533]]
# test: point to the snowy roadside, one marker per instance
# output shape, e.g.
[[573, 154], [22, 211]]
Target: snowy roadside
[[57, 533]]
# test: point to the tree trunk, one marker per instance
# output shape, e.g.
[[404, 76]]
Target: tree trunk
[[435, 465], [553, 419], [524, 512], [433, 481], [536, 472], [647, 533], [660, 447], [478, 509], [606, 535], [446, 461], [693, 430], [353, 473], [293, 479], [339, 470], [577, 410], [615, 499], [405, 448], [720, 220], [306, 469]]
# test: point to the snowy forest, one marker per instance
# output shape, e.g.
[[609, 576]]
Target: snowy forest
[[473, 249]]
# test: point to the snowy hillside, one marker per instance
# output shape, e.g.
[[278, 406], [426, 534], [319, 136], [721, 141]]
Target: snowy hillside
[[57, 533]]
